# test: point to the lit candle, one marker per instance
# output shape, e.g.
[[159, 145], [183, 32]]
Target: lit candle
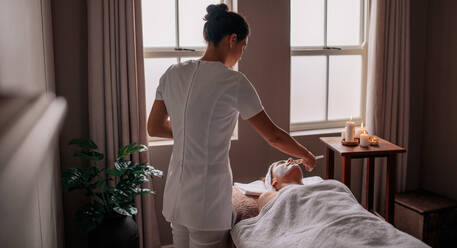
[[360, 131], [364, 140], [350, 128], [373, 141]]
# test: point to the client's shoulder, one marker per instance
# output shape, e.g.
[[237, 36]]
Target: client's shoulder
[[268, 194], [264, 198]]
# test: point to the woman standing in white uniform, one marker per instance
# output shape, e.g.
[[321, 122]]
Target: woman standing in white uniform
[[203, 99]]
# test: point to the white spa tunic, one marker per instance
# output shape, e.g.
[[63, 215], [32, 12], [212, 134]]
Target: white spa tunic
[[203, 100]]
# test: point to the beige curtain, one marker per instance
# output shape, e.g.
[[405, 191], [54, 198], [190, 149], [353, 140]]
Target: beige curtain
[[117, 114], [388, 85]]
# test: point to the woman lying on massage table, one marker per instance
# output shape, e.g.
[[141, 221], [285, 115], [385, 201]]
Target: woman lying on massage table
[[280, 175], [320, 214]]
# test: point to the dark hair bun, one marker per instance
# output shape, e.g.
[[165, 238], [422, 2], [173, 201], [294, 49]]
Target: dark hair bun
[[221, 22], [215, 10]]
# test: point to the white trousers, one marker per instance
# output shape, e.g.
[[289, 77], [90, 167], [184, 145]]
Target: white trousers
[[184, 237]]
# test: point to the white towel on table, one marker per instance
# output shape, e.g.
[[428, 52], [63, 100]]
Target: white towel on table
[[324, 214], [256, 188]]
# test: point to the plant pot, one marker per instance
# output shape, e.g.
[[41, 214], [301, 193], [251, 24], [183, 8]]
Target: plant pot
[[116, 231]]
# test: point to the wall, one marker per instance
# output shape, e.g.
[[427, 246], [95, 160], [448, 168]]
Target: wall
[[266, 63], [26, 61], [30, 176], [418, 45], [439, 136], [30, 179], [70, 39]]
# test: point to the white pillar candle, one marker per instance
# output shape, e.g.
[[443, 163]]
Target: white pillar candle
[[350, 130], [360, 131], [363, 140]]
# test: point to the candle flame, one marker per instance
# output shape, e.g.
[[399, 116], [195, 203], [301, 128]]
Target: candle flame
[[361, 125], [351, 118]]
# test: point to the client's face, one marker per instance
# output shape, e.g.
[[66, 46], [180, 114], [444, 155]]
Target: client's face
[[285, 173]]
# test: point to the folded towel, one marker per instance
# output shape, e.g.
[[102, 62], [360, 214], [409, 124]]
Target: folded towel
[[256, 188]]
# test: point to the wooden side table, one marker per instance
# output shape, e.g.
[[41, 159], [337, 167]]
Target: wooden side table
[[384, 149]]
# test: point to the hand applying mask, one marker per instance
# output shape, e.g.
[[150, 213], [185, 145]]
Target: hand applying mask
[[309, 167], [290, 163]]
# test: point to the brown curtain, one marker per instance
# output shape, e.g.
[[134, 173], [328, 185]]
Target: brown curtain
[[388, 85], [117, 114]]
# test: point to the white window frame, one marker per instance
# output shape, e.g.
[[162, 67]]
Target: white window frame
[[327, 51], [180, 53]]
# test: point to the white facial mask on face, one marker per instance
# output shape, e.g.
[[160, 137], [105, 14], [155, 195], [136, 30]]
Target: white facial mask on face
[[283, 167]]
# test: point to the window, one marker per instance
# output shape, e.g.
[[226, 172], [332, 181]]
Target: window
[[172, 33], [328, 63]]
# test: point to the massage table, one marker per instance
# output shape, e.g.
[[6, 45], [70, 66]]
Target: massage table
[[319, 214]]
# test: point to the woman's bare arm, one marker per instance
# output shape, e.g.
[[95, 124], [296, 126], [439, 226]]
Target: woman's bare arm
[[279, 139], [158, 123]]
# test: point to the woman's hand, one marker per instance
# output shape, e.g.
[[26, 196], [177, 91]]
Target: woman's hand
[[309, 162]]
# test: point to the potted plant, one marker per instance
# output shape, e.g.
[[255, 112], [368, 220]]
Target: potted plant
[[108, 215]]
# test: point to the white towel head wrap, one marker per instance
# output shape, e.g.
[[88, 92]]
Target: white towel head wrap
[[268, 185]]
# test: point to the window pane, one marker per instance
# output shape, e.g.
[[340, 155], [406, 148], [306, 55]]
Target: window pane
[[343, 27], [159, 26], [345, 86], [153, 70], [191, 22], [307, 22], [308, 88]]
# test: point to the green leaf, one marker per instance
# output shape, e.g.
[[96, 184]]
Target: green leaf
[[131, 149], [144, 191], [73, 178], [139, 148], [100, 183], [140, 172], [122, 164], [84, 143], [90, 155], [140, 166], [128, 210], [123, 151], [157, 173], [120, 196], [91, 172], [140, 179], [114, 172], [150, 170]]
